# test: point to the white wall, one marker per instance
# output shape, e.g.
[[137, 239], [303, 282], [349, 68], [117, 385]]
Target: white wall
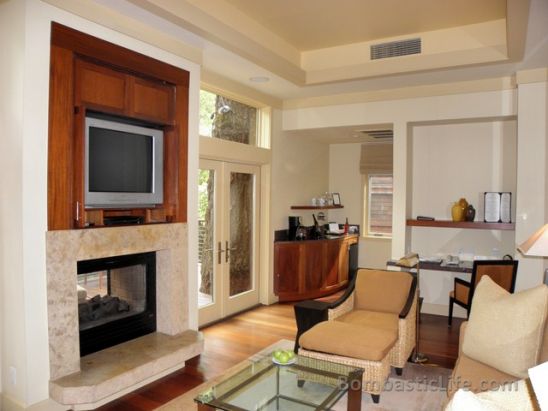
[[12, 25], [345, 178], [300, 172], [532, 175], [452, 161], [25, 29]]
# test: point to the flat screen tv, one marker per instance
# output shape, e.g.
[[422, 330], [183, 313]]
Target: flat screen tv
[[123, 164]]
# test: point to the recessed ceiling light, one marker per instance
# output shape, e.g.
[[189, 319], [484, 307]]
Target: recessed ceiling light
[[259, 79]]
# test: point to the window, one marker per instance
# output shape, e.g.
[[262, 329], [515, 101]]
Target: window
[[227, 119], [379, 205]]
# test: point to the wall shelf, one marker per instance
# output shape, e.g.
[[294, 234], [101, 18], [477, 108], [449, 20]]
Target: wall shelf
[[477, 225], [311, 207]]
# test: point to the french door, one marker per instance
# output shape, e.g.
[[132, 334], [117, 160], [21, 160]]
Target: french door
[[228, 238]]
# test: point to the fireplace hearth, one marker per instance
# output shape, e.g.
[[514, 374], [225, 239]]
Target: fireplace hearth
[[116, 300]]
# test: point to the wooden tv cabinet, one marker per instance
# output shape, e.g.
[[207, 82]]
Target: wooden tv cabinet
[[90, 74]]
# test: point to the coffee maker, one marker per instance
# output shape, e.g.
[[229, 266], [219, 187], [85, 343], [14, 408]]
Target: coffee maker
[[294, 222]]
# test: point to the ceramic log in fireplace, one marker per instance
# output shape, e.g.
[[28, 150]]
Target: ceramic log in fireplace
[[116, 300]]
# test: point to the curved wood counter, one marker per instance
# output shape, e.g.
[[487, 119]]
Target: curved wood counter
[[312, 268]]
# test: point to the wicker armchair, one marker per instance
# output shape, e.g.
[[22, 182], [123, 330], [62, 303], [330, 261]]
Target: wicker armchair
[[379, 307]]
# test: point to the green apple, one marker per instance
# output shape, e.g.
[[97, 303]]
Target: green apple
[[276, 354], [283, 358], [291, 354]]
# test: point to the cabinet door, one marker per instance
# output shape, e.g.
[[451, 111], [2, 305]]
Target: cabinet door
[[151, 101], [332, 262], [314, 265], [286, 268], [100, 87]]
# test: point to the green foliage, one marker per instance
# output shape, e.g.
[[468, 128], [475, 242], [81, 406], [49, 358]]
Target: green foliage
[[207, 109], [203, 178]]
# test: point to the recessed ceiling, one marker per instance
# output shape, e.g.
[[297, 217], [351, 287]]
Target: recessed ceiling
[[315, 24]]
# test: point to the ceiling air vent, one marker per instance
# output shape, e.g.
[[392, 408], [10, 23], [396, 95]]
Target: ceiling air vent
[[379, 134], [395, 49]]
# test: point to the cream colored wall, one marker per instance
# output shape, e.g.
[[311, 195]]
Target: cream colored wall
[[402, 114], [25, 75], [12, 16], [300, 171], [345, 178], [451, 161], [532, 174]]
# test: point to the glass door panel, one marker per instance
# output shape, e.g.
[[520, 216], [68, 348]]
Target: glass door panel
[[206, 234], [241, 233], [227, 236]]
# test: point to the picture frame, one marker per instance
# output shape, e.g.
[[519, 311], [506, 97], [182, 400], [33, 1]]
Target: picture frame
[[336, 199]]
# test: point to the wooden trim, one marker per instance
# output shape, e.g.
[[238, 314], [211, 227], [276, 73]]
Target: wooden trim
[[60, 147], [116, 56], [478, 225]]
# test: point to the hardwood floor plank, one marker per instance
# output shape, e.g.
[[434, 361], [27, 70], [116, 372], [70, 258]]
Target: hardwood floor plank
[[229, 342]]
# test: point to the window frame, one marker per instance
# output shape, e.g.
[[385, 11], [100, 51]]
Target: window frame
[[367, 209], [263, 117]]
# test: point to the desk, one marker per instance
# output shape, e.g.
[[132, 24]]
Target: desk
[[463, 267]]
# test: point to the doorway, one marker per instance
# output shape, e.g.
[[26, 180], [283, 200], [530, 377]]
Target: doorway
[[228, 215]]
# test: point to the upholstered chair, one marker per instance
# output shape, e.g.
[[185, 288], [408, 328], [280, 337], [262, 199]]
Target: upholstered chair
[[372, 326]]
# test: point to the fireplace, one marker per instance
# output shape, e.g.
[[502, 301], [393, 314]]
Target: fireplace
[[116, 300]]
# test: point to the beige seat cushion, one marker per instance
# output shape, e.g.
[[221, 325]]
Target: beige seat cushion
[[349, 340], [511, 397], [476, 376], [384, 291], [383, 321], [506, 330]]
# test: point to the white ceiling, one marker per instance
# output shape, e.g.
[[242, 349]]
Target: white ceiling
[[316, 24], [238, 62]]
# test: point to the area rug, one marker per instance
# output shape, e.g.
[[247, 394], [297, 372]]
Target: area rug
[[420, 388]]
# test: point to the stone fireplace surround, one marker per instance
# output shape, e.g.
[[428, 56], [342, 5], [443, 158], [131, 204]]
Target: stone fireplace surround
[[72, 379]]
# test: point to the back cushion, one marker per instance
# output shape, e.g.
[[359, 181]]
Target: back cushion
[[384, 291], [544, 348]]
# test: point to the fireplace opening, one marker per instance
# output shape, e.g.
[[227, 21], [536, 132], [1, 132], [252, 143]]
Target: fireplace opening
[[116, 300]]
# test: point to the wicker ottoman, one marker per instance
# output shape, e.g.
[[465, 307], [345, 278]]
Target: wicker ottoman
[[359, 346]]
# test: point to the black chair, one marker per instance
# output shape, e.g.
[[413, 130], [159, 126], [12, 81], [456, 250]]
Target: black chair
[[502, 272]]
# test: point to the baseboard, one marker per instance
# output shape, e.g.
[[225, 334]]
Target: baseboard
[[8, 404], [442, 309]]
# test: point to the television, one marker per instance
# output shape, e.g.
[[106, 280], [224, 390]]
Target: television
[[123, 164]]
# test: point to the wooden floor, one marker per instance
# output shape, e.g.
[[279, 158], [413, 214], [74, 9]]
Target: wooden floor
[[233, 340]]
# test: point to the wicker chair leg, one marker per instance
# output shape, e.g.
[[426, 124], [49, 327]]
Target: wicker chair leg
[[399, 371], [300, 383], [450, 318], [376, 398]]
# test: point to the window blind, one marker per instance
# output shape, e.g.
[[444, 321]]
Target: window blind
[[376, 158]]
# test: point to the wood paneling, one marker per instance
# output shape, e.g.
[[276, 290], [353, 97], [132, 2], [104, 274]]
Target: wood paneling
[[60, 150], [334, 252], [120, 57]]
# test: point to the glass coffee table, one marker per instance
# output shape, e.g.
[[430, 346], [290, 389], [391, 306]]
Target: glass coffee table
[[307, 384]]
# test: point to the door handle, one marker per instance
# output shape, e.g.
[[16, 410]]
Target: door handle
[[228, 250], [219, 253]]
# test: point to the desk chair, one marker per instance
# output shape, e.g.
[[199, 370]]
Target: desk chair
[[503, 272]]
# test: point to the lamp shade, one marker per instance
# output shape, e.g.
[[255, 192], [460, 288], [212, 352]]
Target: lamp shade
[[537, 244]]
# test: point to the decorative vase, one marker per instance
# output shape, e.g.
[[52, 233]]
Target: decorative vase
[[457, 212], [470, 213]]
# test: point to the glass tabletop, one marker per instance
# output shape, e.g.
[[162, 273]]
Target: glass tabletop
[[307, 384]]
